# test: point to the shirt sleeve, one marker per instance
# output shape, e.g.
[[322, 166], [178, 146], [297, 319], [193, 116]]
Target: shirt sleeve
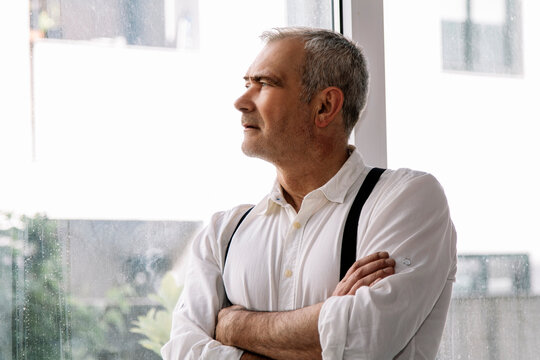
[[411, 221], [195, 315]]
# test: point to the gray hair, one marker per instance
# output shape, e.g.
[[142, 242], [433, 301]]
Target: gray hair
[[330, 60]]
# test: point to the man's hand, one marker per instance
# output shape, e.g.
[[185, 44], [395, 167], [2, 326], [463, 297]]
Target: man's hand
[[224, 332], [365, 272], [226, 324]]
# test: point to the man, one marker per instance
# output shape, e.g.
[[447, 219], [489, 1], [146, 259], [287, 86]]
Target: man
[[304, 93]]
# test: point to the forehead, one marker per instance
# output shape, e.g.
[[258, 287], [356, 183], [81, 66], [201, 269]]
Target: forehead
[[280, 58]]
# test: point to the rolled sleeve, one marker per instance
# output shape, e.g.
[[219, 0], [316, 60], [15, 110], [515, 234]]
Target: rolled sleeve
[[195, 315], [411, 221]]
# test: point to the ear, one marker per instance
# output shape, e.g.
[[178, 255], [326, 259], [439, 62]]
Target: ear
[[330, 103]]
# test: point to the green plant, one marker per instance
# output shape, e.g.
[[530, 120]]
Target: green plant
[[41, 305], [156, 324], [45, 320]]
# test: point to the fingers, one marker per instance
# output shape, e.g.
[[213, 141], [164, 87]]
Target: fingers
[[366, 260], [371, 279], [373, 267], [366, 272]]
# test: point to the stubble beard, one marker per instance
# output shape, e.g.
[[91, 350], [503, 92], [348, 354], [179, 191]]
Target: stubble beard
[[250, 147], [260, 147]]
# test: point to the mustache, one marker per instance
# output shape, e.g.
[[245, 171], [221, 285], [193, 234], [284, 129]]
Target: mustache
[[250, 120]]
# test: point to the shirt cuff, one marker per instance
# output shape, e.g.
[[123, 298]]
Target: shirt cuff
[[333, 326]]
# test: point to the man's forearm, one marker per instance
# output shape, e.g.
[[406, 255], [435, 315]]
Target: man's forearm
[[247, 355], [278, 335], [294, 334]]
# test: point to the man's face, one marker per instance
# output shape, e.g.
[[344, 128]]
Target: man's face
[[277, 125]]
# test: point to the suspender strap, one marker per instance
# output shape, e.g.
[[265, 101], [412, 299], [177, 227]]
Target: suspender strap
[[350, 233], [227, 301], [230, 240]]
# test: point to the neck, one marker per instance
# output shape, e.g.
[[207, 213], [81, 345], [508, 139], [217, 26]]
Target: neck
[[304, 175]]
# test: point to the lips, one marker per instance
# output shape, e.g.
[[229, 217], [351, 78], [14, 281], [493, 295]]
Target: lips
[[249, 123]]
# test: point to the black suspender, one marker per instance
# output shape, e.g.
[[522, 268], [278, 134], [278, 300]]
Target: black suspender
[[227, 301], [232, 235], [350, 233]]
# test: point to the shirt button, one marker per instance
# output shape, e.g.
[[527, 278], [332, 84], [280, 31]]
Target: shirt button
[[288, 273], [297, 225]]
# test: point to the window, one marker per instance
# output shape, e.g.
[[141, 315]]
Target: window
[[482, 36], [117, 146], [108, 139], [473, 129], [167, 23]]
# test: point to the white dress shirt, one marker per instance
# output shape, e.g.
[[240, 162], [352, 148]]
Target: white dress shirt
[[283, 260]]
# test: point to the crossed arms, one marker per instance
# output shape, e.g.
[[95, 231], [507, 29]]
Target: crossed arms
[[411, 221], [293, 334]]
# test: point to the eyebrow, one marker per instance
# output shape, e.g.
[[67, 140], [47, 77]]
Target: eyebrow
[[268, 78]]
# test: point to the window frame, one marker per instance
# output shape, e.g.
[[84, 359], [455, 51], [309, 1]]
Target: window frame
[[363, 22]]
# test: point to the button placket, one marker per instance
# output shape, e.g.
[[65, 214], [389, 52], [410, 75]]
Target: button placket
[[290, 254]]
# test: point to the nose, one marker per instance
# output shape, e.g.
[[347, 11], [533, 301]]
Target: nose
[[245, 103]]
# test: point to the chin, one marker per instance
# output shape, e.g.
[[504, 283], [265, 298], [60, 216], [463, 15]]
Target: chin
[[251, 150]]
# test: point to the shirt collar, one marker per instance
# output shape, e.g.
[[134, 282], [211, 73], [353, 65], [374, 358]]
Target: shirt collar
[[273, 200], [334, 190], [338, 186]]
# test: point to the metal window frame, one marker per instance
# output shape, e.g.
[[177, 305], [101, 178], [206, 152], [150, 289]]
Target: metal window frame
[[363, 22]]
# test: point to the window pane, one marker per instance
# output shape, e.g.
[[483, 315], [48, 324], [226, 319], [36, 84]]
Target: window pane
[[131, 142], [475, 131], [486, 38]]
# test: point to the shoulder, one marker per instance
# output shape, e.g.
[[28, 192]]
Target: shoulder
[[410, 216], [395, 182], [401, 178], [222, 224], [212, 240], [410, 189], [223, 220]]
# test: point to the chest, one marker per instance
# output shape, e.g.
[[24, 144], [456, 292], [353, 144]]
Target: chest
[[280, 263]]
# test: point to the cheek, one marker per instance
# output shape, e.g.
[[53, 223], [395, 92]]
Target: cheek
[[285, 113], [275, 115]]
